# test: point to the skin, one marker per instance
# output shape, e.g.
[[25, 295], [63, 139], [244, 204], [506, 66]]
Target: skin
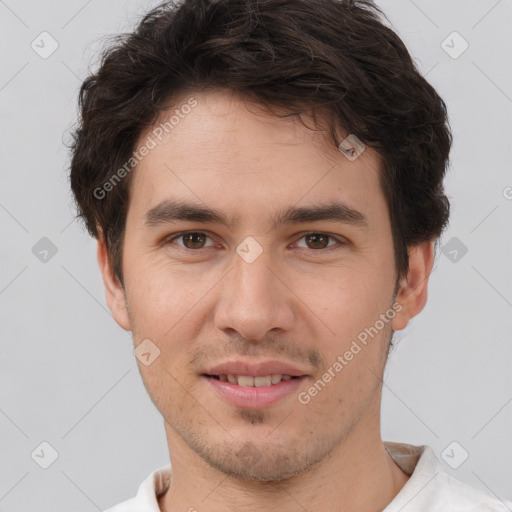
[[199, 302]]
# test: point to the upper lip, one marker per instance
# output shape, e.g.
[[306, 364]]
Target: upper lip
[[260, 369]]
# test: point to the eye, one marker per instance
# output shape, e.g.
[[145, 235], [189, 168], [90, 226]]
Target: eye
[[191, 239], [320, 241], [315, 241]]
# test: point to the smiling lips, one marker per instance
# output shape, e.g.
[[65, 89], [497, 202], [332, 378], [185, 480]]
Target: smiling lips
[[258, 382], [251, 369], [252, 386]]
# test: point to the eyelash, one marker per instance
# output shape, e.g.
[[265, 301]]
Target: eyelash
[[341, 243]]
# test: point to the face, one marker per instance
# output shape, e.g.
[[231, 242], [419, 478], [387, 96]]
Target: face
[[254, 250]]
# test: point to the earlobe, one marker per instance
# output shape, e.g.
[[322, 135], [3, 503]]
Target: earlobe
[[413, 291], [114, 292]]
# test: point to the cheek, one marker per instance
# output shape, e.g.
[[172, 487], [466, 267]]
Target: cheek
[[159, 294], [352, 309], [166, 386], [347, 301], [165, 307], [344, 393]]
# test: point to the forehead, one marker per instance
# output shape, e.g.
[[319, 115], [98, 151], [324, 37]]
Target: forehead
[[226, 147]]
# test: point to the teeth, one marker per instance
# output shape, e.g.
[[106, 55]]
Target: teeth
[[245, 381], [258, 382], [276, 378]]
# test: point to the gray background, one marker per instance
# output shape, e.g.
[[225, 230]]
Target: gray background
[[67, 371]]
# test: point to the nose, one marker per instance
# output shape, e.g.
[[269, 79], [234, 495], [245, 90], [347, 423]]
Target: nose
[[255, 299]]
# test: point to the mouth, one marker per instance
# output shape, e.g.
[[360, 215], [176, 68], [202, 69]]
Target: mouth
[[253, 392], [253, 383], [248, 381]]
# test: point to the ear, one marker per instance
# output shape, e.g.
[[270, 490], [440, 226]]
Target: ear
[[412, 293], [114, 291]]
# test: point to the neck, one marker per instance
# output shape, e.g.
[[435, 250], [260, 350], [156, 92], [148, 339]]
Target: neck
[[357, 475]]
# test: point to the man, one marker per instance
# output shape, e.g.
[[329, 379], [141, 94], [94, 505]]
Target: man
[[265, 181]]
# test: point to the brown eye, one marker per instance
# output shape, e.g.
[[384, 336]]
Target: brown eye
[[192, 240], [317, 240], [320, 242]]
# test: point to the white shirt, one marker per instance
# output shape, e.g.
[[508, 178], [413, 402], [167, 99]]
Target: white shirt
[[429, 488]]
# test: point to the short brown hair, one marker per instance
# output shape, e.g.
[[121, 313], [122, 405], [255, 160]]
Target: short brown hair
[[301, 55]]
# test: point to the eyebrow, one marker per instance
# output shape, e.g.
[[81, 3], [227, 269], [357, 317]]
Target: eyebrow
[[169, 211]]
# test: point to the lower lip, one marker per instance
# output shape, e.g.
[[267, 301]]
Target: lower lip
[[252, 397]]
